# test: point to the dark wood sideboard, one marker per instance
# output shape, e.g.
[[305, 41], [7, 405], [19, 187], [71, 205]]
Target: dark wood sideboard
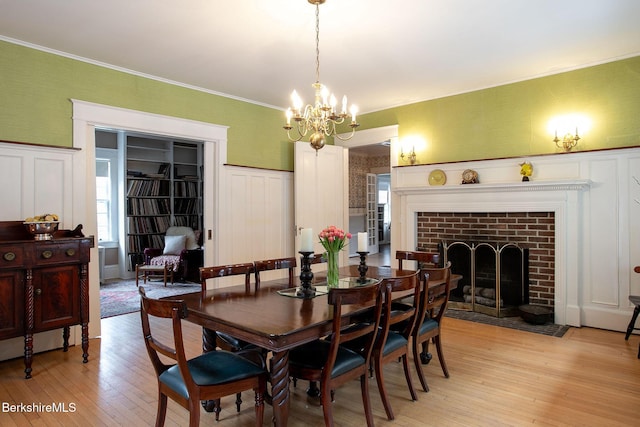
[[44, 285]]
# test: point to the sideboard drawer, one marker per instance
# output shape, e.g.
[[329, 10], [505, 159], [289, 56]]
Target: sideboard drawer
[[11, 256], [54, 253]]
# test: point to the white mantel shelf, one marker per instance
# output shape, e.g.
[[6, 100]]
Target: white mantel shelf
[[565, 185]]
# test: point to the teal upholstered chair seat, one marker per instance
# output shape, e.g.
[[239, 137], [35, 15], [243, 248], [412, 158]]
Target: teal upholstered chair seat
[[213, 368]]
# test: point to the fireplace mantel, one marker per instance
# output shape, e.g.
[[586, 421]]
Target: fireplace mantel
[[566, 185]]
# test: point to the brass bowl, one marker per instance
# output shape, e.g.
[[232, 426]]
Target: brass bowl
[[42, 230]]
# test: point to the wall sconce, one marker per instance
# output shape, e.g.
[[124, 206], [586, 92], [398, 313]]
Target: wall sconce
[[568, 141], [564, 126], [411, 156]]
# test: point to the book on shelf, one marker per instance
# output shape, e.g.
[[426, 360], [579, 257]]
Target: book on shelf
[[164, 169]]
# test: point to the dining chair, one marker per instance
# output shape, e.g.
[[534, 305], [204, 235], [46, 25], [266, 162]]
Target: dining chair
[[209, 376], [225, 341], [635, 300], [392, 342], [328, 361], [432, 306], [289, 263], [422, 259], [426, 259]]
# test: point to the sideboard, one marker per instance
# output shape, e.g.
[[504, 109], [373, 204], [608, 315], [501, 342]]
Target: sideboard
[[44, 285]]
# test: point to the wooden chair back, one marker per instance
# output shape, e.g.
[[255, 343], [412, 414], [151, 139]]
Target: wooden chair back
[[406, 315], [437, 296], [176, 310], [275, 264], [247, 269], [431, 259], [318, 259], [362, 295]]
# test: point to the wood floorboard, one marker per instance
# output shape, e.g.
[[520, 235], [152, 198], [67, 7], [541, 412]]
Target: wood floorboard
[[499, 377]]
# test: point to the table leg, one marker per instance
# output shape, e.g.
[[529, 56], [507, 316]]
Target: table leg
[[280, 387]]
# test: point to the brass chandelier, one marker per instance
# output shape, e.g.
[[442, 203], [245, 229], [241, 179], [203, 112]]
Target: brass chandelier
[[321, 118]]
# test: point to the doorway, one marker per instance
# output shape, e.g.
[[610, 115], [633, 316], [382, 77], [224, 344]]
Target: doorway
[[369, 153], [144, 185], [87, 117]]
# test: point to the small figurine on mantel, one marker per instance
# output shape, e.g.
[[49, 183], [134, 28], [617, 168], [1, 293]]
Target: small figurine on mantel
[[526, 169]]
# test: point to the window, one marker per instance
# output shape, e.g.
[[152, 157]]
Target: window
[[107, 194]]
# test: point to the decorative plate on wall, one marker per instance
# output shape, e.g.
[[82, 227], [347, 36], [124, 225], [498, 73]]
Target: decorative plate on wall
[[437, 177]]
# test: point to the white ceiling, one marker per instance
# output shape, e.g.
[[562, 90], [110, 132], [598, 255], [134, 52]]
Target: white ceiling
[[381, 53]]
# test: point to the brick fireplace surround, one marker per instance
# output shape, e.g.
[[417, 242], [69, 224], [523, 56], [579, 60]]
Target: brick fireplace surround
[[532, 230]]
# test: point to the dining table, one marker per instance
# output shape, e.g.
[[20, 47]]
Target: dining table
[[274, 317]]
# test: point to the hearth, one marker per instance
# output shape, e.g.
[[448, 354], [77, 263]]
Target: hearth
[[495, 276]]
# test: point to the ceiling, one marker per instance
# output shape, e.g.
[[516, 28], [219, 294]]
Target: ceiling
[[380, 53]]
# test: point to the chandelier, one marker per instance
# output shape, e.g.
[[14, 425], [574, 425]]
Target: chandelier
[[321, 118]]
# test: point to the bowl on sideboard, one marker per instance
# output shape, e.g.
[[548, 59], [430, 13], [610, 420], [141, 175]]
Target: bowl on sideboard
[[42, 230]]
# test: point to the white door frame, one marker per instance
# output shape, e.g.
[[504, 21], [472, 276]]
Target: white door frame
[[86, 117]]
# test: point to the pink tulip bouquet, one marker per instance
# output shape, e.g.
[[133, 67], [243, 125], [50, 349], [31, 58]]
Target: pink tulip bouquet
[[333, 240]]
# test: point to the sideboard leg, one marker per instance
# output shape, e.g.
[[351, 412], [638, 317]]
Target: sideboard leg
[[65, 338], [85, 342], [28, 355]]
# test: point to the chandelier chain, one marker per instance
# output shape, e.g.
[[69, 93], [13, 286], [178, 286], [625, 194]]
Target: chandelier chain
[[317, 43]]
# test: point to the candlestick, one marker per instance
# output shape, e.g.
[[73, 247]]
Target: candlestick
[[306, 276], [363, 242], [306, 240], [362, 268]]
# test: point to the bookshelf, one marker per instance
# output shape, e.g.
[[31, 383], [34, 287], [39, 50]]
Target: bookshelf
[[163, 188]]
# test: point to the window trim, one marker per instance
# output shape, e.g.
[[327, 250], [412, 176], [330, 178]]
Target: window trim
[[112, 156]]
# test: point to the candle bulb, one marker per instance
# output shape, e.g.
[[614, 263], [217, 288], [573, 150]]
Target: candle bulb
[[362, 242], [306, 240], [354, 111], [289, 114]]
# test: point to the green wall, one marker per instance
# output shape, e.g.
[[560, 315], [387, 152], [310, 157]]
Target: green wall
[[504, 121], [36, 88], [511, 120]]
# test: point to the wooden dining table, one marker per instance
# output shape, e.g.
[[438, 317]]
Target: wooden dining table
[[273, 320]]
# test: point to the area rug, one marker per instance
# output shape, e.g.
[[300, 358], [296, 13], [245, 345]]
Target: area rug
[[122, 297], [508, 322]]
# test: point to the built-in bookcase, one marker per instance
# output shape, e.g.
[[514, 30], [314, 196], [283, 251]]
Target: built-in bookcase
[[163, 188]]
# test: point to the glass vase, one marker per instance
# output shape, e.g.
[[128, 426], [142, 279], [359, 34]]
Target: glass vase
[[332, 269]]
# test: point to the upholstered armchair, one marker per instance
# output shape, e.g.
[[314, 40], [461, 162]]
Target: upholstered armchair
[[182, 252]]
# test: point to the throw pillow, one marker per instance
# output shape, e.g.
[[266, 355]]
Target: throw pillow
[[173, 245]]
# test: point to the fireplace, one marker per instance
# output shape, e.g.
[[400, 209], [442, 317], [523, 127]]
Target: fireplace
[[495, 276], [554, 277]]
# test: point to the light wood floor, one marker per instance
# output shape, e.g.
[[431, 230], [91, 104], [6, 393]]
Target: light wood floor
[[499, 377]]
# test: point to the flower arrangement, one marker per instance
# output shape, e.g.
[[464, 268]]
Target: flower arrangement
[[333, 240]]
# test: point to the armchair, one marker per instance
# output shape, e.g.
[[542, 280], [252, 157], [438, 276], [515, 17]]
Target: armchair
[[181, 253]]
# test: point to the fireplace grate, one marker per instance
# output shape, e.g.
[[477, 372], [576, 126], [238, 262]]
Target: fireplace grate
[[495, 276]]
